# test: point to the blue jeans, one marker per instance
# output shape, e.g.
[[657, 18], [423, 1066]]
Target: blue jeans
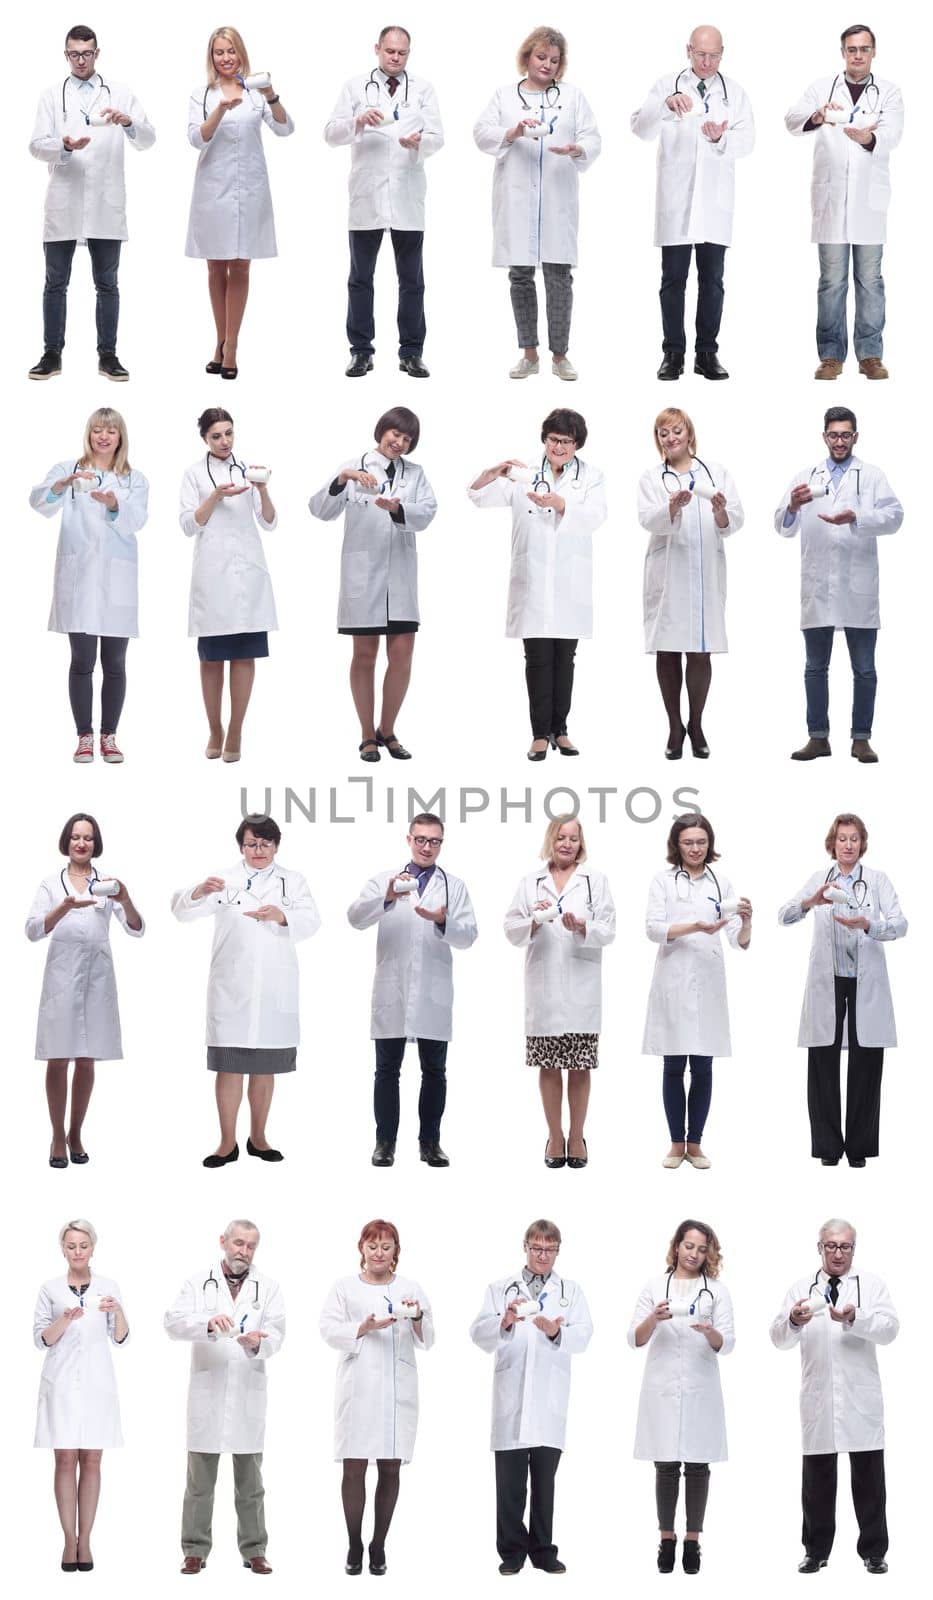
[[683, 1113], [832, 337], [432, 1054], [105, 264], [819, 647]]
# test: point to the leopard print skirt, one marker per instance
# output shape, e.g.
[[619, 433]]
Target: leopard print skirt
[[575, 1052]]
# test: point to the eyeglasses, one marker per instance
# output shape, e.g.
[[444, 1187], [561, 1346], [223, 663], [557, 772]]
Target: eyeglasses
[[424, 843], [80, 55], [835, 1249], [705, 55], [555, 439], [259, 844], [543, 1249], [839, 438]]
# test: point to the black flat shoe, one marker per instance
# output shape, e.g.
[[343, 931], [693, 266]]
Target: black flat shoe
[[396, 750], [811, 1564], [377, 1561], [372, 745], [829, 1161], [264, 1155], [360, 364], [578, 1161], [58, 1162], [222, 1161], [708, 365], [671, 367], [109, 366], [384, 1153], [562, 749], [414, 366], [856, 1161], [701, 751], [213, 367], [690, 1558], [80, 1158], [50, 366], [555, 1161], [354, 1563], [85, 1566], [672, 751], [229, 372], [876, 1564], [667, 1551], [69, 1566], [432, 1153]]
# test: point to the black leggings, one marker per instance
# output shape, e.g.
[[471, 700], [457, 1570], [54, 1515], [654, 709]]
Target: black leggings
[[353, 1494], [81, 683], [667, 1488]]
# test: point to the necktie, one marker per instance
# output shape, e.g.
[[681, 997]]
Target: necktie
[[702, 86], [392, 84], [390, 472], [834, 1283]]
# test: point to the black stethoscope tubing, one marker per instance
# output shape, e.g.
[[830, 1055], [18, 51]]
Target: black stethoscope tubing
[[850, 1275], [682, 872], [373, 83], [522, 1288], [439, 868], [230, 463], [249, 889], [822, 468], [589, 888], [100, 91], [668, 471], [78, 468], [94, 878], [725, 92], [248, 92], [211, 1279], [870, 84], [548, 103], [859, 884], [399, 464], [695, 1305], [541, 474]]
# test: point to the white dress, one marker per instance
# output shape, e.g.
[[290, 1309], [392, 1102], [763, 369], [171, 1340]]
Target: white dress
[[376, 1405], [78, 1011], [231, 208], [231, 590], [685, 563], [95, 585], [78, 1405]]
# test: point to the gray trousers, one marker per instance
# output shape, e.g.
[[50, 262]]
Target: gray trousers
[[558, 291], [198, 1510]]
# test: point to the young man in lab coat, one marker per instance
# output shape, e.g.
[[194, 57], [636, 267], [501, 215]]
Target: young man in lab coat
[[392, 124], [840, 508], [234, 1318], [837, 1319], [81, 128], [422, 913], [856, 120], [532, 1323]]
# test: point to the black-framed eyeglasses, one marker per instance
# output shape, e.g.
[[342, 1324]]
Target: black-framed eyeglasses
[[424, 843], [836, 1249], [80, 55], [840, 438]]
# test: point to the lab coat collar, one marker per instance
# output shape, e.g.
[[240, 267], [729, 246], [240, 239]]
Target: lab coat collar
[[81, 83], [574, 876], [251, 1276]]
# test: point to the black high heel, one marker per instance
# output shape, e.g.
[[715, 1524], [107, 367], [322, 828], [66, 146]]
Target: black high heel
[[229, 372], [701, 751], [673, 752], [562, 749], [85, 1566], [377, 1561], [213, 367], [79, 1158], [579, 1161], [354, 1563], [396, 750], [539, 755], [555, 1161]]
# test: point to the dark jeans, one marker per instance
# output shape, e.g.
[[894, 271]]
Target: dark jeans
[[432, 1054], [667, 1489], [361, 327], [819, 647], [549, 679], [866, 1469], [686, 1116], [863, 1088], [105, 265], [514, 1541], [675, 266], [81, 681]]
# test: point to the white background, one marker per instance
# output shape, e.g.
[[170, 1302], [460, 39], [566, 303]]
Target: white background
[[168, 817]]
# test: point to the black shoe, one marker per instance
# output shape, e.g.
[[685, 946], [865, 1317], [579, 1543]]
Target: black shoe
[[389, 742], [213, 367], [811, 1564], [264, 1155], [229, 372], [69, 1566], [377, 1561], [354, 1563], [579, 1161], [700, 751], [414, 366], [85, 1566], [537, 755], [49, 367], [555, 1161], [384, 1153], [829, 1161], [673, 751], [876, 1564], [667, 1550], [509, 1569], [58, 1162], [109, 367], [815, 746], [432, 1153], [708, 365], [549, 1564], [856, 1161], [672, 365], [369, 751], [562, 749], [222, 1161], [80, 1158], [360, 364], [690, 1559]]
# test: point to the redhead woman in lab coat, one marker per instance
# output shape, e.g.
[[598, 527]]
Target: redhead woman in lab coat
[[563, 917], [78, 1317], [231, 221], [79, 1019], [379, 1322], [684, 1316]]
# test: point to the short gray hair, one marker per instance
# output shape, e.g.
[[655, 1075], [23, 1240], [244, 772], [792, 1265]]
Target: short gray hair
[[78, 1225], [836, 1224], [240, 1222]]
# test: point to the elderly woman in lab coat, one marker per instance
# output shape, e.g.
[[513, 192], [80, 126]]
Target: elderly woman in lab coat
[[79, 1019], [688, 1016], [684, 1316], [563, 917], [231, 221], [232, 607], [385, 501], [78, 1317], [103, 504], [542, 135], [556, 508], [847, 1000], [379, 1322], [689, 507], [261, 911]]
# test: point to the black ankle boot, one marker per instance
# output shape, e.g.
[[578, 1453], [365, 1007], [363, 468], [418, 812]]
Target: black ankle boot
[[667, 1550], [691, 1555]]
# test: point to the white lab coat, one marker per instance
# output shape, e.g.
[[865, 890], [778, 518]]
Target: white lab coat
[[851, 185], [841, 1407], [231, 590], [94, 589], [252, 988], [688, 1013], [680, 1410], [231, 206], [839, 564], [78, 1011], [227, 1386], [379, 556], [78, 1404], [874, 1012], [86, 196], [376, 1404], [695, 194], [685, 563], [531, 1381], [551, 578], [535, 202], [563, 970], [387, 182], [413, 990]]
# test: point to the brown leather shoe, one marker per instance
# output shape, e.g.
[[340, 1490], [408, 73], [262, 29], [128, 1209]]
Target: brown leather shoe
[[191, 1565], [830, 368], [863, 751], [812, 749], [257, 1564], [873, 367]]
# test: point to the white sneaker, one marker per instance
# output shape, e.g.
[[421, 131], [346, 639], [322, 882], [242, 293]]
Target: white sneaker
[[564, 369], [85, 750], [524, 368], [108, 748]]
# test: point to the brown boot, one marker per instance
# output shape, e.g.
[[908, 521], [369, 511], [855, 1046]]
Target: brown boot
[[812, 749], [863, 751], [873, 367], [830, 368]]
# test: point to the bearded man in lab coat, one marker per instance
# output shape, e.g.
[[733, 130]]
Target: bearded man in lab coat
[[837, 1319], [422, 913], [234, 1318]]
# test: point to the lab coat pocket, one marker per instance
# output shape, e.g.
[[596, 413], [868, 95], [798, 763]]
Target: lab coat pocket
[[879, 190], [123, 582], [200, 1395], [586, 953], [256, 1395], [867, 1405], [655, 570], [559, 1389]]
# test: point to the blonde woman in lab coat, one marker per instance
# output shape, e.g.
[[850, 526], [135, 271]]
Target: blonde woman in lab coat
[[563, 917], [684, 1316], [379, 1322], [78, 1317]]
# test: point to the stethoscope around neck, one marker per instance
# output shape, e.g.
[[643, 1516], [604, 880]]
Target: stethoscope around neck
[[232, 465], [667, 471], [825, 478], [78, 468], [94, 878], [547, 104], [256, 100], [862, 106], [397, 479], [722, 82], [823, 1289], [695, 1309], [540, 478], [683, 873], [522, 1289], [437, 868], [85, 114], [560, 898], [859, 884], [372, 83], [212, 1287], [233, 897]]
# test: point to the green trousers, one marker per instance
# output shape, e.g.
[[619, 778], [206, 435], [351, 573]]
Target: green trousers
[[198, 1509]]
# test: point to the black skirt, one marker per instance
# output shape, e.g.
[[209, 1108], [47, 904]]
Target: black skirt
[[233, 646], [387, 627]]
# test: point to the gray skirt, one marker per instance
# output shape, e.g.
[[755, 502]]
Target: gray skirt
[[255, 1063], [574, 1052]]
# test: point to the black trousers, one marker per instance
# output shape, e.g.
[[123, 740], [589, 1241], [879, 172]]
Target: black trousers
[[667, 1489], [866, 1469], [549, 679], [361, 327], [863, 1088], [432, 1053], [81, 681], [514, 1541], [675, 266]]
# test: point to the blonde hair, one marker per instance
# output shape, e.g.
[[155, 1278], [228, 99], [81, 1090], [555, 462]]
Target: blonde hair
[[665, 418], [550, 838], [102, 417], [236, 40], [549, 36], [78, 1225]]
